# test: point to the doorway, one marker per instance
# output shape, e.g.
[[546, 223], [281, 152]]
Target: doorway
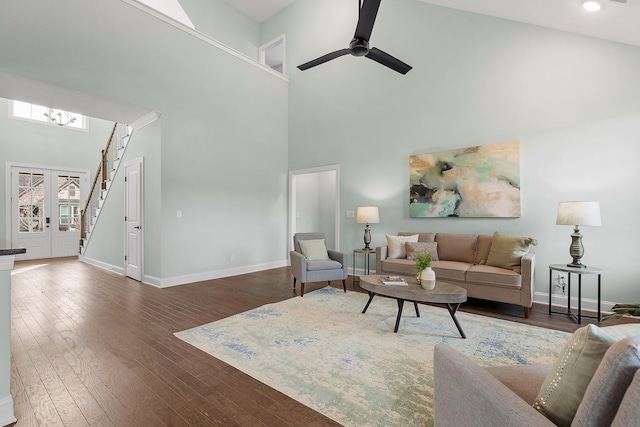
[[133, 247], [314, 203], [45, 210]]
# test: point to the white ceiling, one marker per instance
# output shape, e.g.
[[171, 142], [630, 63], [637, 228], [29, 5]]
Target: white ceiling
[[616, 21]]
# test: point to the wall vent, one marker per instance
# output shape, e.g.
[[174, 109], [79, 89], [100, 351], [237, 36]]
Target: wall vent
[[621, 1]]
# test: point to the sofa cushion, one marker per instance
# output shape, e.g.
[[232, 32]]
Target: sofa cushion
[[493, 276], [398, 266], [422, 237], [323, 265], [457, 247], [414, 248], [314, 249], [450, 270], [608, 385], [484, 246], [396, 245], [507, 251], [564, 387]]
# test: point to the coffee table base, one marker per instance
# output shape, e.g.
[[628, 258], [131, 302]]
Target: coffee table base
[[452, 308]]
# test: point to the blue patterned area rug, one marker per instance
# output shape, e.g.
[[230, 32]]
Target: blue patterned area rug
[[323, 352]]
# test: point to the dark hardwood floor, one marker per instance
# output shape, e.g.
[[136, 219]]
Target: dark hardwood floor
[[92, 348]]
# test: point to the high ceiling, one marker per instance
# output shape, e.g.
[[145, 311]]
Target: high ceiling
[[618, 20]]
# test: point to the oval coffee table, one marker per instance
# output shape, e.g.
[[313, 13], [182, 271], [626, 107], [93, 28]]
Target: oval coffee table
[[443, 293]]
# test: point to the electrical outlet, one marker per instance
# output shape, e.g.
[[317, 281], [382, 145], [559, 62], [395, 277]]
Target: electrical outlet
[[232, 257]]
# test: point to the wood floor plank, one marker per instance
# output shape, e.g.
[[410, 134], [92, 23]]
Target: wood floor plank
[[90, 347]]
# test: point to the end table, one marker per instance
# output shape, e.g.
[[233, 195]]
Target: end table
[[367, 264], [579, 271]]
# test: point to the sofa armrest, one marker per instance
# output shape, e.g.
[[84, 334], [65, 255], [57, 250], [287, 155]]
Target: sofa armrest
[[528, 267], [465, 394], [381, 253], [298, 266]]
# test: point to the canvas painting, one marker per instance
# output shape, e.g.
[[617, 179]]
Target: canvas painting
[[481, 181]]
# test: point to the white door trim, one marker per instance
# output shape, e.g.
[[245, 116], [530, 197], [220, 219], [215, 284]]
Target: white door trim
[[292, 201]]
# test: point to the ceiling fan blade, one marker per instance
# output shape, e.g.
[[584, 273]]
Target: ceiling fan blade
[[367, 17], [323, 59], [388, 60]]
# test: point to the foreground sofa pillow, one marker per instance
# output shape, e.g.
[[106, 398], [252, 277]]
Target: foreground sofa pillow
[[507, 251], [610, 382], [564, 387]]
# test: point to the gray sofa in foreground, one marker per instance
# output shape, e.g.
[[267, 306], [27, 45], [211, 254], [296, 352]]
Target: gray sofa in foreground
[[462, 262], [466, 394]]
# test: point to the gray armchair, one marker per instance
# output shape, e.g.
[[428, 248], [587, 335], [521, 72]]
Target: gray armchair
[[306, 271]]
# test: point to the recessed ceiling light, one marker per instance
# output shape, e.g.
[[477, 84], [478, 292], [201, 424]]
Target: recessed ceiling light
[[592, 6]]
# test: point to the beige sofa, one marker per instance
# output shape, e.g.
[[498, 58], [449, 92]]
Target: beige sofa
[[462, 259]]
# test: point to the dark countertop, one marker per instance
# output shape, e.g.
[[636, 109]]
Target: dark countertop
[[15, 251]]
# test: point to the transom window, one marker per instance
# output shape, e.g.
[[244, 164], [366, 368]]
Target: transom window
[[45, 115]]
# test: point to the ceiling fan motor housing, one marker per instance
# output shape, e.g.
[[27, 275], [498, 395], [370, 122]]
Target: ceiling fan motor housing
[[358, 47]]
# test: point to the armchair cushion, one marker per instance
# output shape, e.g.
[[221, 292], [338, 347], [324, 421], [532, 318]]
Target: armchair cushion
[[323, 265], [314, 250]]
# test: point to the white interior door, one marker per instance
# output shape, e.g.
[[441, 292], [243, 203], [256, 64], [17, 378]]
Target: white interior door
[[45, 211], [133, 219]]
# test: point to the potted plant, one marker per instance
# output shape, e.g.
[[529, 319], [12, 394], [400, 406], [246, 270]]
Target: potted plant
[[425, 275]]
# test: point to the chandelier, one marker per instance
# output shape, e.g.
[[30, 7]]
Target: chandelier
[[60, 117]]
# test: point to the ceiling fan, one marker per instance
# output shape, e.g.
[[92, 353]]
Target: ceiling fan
[[359, 46]]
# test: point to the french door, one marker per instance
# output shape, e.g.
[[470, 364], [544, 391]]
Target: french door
[[45, 211]]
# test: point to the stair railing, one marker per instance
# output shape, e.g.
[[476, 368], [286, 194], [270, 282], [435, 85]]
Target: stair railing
[[107, 158]]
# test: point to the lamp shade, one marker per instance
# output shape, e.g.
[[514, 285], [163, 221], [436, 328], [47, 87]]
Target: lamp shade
[[367, 214], [579, 213]]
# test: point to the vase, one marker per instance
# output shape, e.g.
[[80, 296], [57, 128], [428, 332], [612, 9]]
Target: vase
[[428, 278]]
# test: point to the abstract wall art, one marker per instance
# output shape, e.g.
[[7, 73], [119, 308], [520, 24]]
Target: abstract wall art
[[481, 181]]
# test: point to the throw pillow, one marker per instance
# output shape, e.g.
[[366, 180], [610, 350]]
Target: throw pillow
[[396, 245], [565, 385], [414, 248], [314, 250], [507, 252], [609, 384]]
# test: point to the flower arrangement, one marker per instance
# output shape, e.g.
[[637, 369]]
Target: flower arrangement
[[422, 260]]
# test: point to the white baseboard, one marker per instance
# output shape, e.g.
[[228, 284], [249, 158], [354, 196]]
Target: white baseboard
[[6, 411], [559, 302], [190, 278], [217, 274], [102, 265]]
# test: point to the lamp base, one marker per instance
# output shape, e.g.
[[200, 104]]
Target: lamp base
[[574, 265]]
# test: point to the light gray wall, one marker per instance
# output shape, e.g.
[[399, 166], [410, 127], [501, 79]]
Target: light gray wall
[[223, 135], [571, 100], [219, 20], [38, 144]]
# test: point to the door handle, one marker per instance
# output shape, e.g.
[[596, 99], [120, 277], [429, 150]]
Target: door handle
[[139, 227]]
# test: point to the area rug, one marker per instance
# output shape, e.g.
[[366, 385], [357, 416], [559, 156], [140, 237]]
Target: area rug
[[323, 352]]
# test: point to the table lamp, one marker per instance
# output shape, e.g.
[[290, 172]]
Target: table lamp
[[577, 214], [367, 215]]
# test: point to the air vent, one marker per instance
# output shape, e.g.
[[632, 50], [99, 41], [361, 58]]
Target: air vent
[[621, 1]]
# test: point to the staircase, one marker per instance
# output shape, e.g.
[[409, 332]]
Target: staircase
[[110, 159]]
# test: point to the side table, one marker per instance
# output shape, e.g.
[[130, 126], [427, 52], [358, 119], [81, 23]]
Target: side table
[[367, 264], [579, 271]]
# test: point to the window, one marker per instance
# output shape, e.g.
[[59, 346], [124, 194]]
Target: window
[[272, 54], [69, 202], [52, 116]]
